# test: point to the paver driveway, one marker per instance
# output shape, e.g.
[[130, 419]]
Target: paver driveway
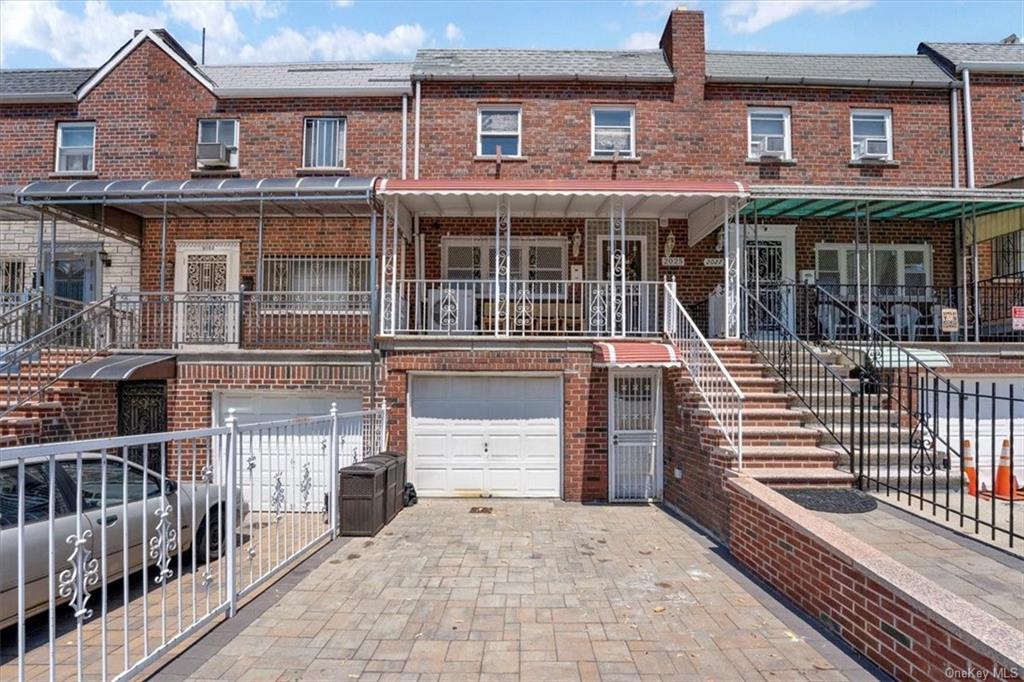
[[537, 590]]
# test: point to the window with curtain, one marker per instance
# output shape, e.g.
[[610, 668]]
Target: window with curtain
[[499, 127], [613, 130], [324, 143], [76, 147]]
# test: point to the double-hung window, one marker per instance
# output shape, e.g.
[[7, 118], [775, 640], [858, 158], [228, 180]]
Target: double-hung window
[[871, 134], [223, 131], [499, 127], [76, 147], [768, 132], [613, 129], [324, 143]]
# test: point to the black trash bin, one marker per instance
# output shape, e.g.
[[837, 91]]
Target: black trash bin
[[400, 477], [362, 493], [392, 492]]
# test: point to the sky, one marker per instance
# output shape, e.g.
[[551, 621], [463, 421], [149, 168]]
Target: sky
[[54, 33]]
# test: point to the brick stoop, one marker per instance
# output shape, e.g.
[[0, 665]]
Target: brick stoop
[[779, 446]]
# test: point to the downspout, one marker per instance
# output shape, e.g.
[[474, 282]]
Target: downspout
[[405, 133], [968, 133], [954, 134], [416, 135]]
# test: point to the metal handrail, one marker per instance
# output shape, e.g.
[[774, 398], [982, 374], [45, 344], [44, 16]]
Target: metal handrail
[[719, 390]]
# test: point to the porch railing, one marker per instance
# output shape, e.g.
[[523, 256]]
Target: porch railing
[[715, 384], [227, 509], [33, 365], [259, 319], [529, 308]]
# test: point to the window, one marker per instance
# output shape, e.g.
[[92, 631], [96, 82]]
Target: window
[[892, 266], [12, 276], [76, 147], [324, 143], [613, 129], [316, 284], [499, 127], [223, 131], [871, 134], [768, 133], [532, 260], [1008, 255], [37, 495], [139, 485]]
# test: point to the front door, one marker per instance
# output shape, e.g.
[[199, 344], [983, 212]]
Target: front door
[[770, 270], [634, 462], [206, 301]]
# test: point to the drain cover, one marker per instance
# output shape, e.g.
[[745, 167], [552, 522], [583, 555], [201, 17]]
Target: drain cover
[[481, 510], [832, 500]]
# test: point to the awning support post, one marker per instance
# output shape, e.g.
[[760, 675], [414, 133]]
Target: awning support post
[[393, 267], [163, 273], [51, 271], [502, 266], [509, 307], [38, 282], [610, 274], [732, 242], [974, 271], [871, 259], [385, 257], [620, 310], [373, 281], [965, 306], [259, 250]]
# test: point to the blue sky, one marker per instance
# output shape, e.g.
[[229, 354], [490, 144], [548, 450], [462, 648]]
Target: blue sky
[[43, 33]]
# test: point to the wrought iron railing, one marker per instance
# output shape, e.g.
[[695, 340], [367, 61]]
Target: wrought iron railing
[[713, 381], [248, 320], [829, 396], [33, 365], [926, 441], [33, 314], [228, 509], [524, 308]]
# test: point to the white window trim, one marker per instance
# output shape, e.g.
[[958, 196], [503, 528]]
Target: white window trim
[[234, 149], [848, 279], [486, 264], [787, 154], [632, 129], [344, 142], [887, 113], [480, 133], [60, 139]]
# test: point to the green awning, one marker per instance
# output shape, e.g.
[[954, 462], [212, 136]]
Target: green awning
[[782, 201]]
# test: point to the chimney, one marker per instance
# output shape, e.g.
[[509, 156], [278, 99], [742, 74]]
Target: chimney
[[683, 45]]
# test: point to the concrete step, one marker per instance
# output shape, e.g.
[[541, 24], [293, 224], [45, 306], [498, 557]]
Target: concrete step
[[786, 457], [782, 436], [802, 477]]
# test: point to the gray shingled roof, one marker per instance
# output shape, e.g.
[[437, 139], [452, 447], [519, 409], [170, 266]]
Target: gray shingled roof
[[824, 69], [500, 64], [310, 76], [976, 53], [36, 82]]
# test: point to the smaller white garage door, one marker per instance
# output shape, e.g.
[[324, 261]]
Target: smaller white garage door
[[486, 435], [284, 454]]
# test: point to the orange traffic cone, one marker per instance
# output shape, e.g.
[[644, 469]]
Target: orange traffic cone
[[1006, 484], [970, 469]]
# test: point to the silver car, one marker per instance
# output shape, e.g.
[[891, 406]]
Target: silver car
[[143, 500]]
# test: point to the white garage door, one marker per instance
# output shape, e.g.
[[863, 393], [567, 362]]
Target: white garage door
[[486, 435], [282, 455]]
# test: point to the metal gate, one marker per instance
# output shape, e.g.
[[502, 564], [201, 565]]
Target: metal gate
[[766, 277], [634, 467], [142, 409]]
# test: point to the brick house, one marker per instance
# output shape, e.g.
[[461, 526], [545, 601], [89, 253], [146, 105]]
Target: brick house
[[496, 242]]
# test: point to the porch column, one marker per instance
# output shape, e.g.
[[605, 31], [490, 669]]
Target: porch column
[[616, 267], [502, 266], [871, 260], [259, 250], [965, 306], [393, 267], [387, 272], [733, 248], [38, 283], [974, 272], [163, 306], [373, 275]]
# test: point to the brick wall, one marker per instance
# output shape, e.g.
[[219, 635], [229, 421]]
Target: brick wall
[[985, 363], [585, 419], [911, 628], [19, 242], [998, 129]]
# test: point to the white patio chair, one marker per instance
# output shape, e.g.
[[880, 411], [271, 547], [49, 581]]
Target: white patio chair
[[828, 320], [905, 317]]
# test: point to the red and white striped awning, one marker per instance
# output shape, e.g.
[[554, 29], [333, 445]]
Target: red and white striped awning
[[575, 198], [634, 354]]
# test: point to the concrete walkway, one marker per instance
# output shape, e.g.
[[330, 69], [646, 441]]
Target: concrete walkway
[[989, 578], [534, 590]]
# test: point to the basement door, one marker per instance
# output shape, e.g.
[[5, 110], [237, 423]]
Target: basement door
[[634, 448]]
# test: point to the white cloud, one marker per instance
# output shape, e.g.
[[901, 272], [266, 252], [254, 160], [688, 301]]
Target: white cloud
[[343, 3], [69, 39], [337, 44], [751, 16], [453, 33], [218, 17], [641, 40]]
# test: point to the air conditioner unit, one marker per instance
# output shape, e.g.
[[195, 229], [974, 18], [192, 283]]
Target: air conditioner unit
[[873, 148], [213, 155], [771, 147], [451, 310]]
